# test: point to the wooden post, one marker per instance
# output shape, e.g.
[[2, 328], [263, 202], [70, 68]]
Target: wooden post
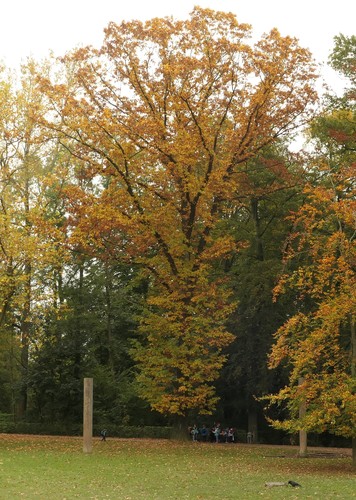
[[302, 434], [88, 416]]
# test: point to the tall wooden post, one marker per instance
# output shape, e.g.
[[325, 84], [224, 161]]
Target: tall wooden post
[[88, 416], [302, 434]]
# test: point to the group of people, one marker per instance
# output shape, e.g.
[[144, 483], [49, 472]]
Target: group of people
[[215, 434]]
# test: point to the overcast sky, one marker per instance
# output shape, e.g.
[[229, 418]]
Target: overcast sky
[[34, 27]]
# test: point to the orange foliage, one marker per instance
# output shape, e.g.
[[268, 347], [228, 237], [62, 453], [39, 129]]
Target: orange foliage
[[318, 343], [161, 118]]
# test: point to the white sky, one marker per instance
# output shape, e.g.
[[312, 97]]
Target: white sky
[[34, 27]]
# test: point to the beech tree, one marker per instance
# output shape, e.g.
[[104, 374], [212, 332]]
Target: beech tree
[[318, 343], [163, 117]]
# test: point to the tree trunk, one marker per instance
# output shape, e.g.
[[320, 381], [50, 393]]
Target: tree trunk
[[180, 430], [302, 433], [109, 316], [252, 423], [353, 374], [25, 323], [258, 236], [21, 406], [79, 325]]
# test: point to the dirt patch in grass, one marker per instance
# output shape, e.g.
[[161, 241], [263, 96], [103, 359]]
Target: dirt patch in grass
[[325, 461], [313, 451]]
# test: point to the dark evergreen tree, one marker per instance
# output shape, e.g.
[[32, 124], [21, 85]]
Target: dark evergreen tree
[[261, 222]]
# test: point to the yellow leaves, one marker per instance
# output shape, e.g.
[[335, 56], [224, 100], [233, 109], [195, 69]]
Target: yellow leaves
[[313, 346], [159, 121], [182, 401], [185, 338], [220, 247], [316, 344], [330, 404]]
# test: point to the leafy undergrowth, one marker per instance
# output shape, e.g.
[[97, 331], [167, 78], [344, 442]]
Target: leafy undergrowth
[[40, 467]]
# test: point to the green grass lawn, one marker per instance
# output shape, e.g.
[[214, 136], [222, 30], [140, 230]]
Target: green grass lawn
[[50, 468]]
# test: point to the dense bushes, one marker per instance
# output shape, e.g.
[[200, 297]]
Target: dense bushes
[[8, 425]]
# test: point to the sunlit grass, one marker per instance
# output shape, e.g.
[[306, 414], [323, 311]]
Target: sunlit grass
[[49, 468]]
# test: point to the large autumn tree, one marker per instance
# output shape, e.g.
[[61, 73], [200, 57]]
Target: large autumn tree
[[318, 342], [163, 117]]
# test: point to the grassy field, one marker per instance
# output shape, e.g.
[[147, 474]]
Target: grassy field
[[50, 468]]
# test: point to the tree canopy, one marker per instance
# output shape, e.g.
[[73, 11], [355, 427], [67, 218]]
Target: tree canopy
[[318, 342], [164, 116]]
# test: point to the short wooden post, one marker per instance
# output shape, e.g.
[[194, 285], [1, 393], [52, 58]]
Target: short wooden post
[[302, 433], [88, 416]]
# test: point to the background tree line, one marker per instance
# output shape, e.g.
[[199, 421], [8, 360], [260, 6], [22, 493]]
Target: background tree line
[[158, 234]]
